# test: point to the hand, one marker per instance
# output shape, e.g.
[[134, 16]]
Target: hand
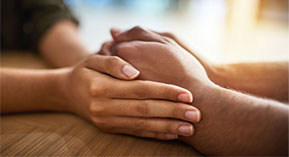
[[205, 63], [213, 71], [134, 107], [159, 58], [225, 113], [209, 67]]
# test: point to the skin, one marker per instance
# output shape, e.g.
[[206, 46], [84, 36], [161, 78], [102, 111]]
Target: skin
[[233, 123], [245, 77], [87, 90], [61, 45], [92, 86]]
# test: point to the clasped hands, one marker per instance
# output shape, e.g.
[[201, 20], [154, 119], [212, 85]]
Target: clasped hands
[[136, 85]]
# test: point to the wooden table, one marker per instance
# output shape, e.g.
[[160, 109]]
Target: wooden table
[[46, 134]]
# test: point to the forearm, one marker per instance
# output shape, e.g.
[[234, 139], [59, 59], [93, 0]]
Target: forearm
[[61, 45], [261, 79], [237, 124], [232, 123], [31, 90]]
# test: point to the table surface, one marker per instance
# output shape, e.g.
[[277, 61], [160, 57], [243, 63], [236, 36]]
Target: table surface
[[63, 134]]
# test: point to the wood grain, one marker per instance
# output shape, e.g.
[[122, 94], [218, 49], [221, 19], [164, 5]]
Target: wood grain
[[63, 134]]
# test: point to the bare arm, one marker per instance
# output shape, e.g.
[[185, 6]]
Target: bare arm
[[233, 123], [267, 79], [86, 91], [30, 90], [61, 45], [237, 124]]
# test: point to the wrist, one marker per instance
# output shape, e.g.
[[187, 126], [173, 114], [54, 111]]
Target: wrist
[[59, 89], [217, 74], [204, 91]]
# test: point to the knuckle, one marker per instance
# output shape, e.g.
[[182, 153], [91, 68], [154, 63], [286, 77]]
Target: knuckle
[[169, 127], [96, 109], [170, 92], [95, 90], [165, 91], [137, 29], [142, 89], [174, 112], [113, 64], [111, 61], [139, 93], [141, 124], [102, 124], [98, 121], [143, 108], [169, 34]]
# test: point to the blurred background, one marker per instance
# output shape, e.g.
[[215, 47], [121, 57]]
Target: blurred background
[[224, 31]]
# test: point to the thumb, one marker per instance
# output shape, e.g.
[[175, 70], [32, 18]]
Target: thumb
[[113, 66], [115, 32], [135, 33]]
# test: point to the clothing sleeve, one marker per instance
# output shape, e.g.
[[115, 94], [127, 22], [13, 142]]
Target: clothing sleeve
[[40, 15]]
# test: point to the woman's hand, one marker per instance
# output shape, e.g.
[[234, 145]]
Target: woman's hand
[[213, 71], [158, 57], [135, 107]]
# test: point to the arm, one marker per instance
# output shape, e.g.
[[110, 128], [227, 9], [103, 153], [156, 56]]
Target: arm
[[233, 123], [61, 45], [261, 79], [268, 79], [237, 124], [50, 28], [31, 90], [146, 108]]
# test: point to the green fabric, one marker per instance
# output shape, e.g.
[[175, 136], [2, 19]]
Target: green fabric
[[23, 23]]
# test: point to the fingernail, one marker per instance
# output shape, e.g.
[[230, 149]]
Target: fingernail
[[185, 97], [171, 136], [129, 71], [186, 130], [193, 116]]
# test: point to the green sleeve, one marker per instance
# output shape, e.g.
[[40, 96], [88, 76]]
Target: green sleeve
[[39, 15]]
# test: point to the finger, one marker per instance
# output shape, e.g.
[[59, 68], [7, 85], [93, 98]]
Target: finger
[[106, 48], [199, 57], [148, 109], [152, 124], [136, 33], [115, 31], [112, 65], [139, 89], [111, 125], [166, 34], [146, 134]]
